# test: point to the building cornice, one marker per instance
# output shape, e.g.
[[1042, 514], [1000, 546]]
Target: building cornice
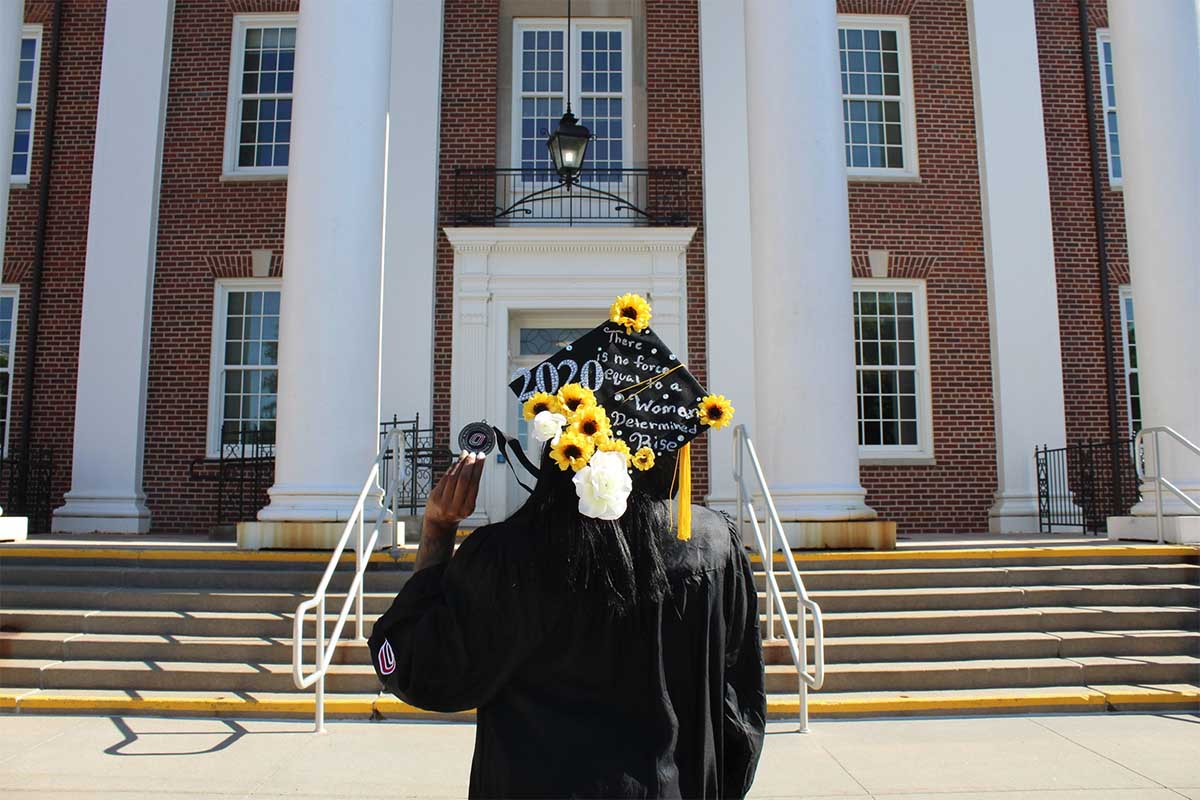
[[559, 239]]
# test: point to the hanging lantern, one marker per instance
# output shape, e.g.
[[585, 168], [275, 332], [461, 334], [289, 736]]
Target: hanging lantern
[[568, 147]]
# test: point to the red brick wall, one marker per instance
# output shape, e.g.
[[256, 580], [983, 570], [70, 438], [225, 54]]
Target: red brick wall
[[673, 139], [933, 230], [1074, 222], [66, 230], [206, 230], [470, 65]]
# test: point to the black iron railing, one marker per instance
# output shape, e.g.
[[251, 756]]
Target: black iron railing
[[243, 471], [496, 196], [25, 483], [423, 461], [1080, 486]]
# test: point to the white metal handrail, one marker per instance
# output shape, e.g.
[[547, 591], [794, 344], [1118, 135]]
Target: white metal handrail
[[1159, 479], [797, 639], [323, 650]]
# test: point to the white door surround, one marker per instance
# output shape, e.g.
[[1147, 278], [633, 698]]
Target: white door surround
[[501, 273]]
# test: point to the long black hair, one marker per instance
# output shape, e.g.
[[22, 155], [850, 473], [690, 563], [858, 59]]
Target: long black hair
[[618, 560]]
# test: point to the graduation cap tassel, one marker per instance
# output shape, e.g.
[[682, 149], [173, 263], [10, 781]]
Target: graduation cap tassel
[[684, 497]]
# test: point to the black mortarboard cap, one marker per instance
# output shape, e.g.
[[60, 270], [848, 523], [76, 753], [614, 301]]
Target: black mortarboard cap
[[650, 397]]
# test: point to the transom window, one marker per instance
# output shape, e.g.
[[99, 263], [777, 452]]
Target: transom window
[[892, 379], [1133, 390], [8, 328], [260, 96], [878, 127], [245, 363], [1111, 134], [599, 64], [27, 82]]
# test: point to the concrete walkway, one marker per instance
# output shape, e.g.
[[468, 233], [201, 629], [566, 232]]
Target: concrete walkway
[[1098, 757]]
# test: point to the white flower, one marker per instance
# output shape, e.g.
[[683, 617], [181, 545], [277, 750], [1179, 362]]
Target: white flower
[[547, 426], [603, 486]]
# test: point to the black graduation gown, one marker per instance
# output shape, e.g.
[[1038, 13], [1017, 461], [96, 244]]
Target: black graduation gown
[[576, 702]]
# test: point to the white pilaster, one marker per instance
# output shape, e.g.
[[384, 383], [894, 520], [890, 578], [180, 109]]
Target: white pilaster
[[12, 16], [1156, 53], [110, 401], [1027, 379], [410, 239], [800, 235], [729, 290], [328, 429]]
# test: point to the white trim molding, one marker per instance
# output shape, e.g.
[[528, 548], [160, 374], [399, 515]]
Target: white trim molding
[[923, 451], [906, 99], [503, 273]]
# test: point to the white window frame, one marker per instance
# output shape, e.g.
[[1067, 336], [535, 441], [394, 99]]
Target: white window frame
[[1103, 38], [1125, 295], [216, 392], [14, 291], [29, 32], [575, 43], [923, 451], [907, 98], [233, 111]]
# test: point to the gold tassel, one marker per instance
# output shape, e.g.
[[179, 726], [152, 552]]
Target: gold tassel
[[685, 492]]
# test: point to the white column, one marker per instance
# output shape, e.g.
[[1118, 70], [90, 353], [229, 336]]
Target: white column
[[800, 234], [110, 399], [1027, 379], [1156, 52], [12, 17], [727, 236], [328, 428], [411, 237]]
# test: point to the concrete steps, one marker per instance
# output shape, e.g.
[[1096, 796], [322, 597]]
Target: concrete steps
[[951, 631]]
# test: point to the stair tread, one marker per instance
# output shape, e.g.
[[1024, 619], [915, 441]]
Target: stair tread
[[993, 663], [991, 636], [1184, 690], [155, 665]]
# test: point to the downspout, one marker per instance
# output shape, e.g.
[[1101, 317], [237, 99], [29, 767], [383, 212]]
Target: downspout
[[39, 249], [1089, 93]]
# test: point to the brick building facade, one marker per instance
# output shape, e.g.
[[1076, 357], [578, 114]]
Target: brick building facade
[[214, 224]]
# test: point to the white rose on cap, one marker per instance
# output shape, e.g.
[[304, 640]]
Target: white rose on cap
[[547, 426], [603, 486]]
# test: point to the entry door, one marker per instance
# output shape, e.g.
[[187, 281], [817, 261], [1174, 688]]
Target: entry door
[[533, 337]]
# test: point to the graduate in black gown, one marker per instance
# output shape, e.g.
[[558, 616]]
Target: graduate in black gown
[[609, 642]]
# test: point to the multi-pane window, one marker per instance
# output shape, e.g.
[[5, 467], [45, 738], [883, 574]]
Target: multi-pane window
[[1111, 134], [602, 96], [27, 76], [8, 327], [1133, 392], [599, 86], [876, 96], [892, 380], [261, 77], [246, 362]]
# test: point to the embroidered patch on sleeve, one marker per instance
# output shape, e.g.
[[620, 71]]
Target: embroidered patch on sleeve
[[387, 659]]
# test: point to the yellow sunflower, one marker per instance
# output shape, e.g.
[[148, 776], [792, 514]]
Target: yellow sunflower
[[643, 459], [575, 396], [611, 445], [541, 401], [632, 311], [572, 450], [591, 421], [715, 411]]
